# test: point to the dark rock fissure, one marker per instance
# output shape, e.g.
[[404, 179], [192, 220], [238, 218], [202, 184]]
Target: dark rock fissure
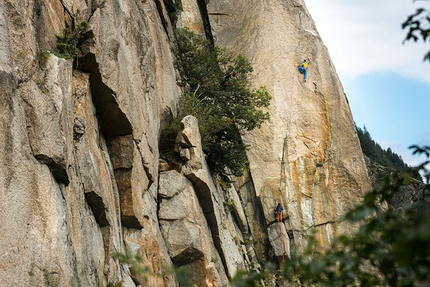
[[58, 170], [113, 123], [97, 206], [204, 197], [237, 220], [257, 217], [160, 8], [112, 120], [205, 17], [145, 164], [189, 255]]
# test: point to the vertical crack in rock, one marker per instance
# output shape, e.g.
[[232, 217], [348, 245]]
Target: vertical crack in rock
[[186, 231], [58, 169], [283, 178], [205, 18], [115, 125], [113, 121], [95, 5], [204, 196], [45, 115], [68, 14], [189, 154], [145, 164], [162, 13], [121, 151]]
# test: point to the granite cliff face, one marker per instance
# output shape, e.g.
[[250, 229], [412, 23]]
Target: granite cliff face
[[81, 176], [307, 156]]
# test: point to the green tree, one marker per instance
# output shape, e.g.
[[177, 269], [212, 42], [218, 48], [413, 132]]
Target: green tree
[[216, 90], [377, 155], [173, 9]]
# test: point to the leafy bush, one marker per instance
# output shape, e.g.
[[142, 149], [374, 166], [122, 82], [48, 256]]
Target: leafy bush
[[136, 264], [390, 248], [229, 205], [216, 91], [419, 27], [173, 10]]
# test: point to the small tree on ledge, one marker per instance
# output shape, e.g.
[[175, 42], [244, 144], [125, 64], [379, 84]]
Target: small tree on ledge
[[216, 90]]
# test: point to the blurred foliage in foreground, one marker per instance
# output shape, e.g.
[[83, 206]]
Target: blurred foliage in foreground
[[390, 248], [418, 26]]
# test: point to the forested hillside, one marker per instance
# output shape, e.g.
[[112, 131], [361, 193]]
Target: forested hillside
[[379, 156]]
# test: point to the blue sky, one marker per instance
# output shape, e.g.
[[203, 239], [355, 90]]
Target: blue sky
[[386, 82]]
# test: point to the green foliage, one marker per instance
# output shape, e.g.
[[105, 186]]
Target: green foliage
[[422, 168], [266, 277], [390, 247], [173, 9], [229, 205], [419, 27], [134, 261], [245, 279], [216, 91], [247, 238], [136, 264], [67, 44], [101, 5]]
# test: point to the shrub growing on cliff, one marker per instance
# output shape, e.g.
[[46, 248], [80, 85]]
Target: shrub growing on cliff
[[216, 90], [139, 267], [67, 44], [173, 9]]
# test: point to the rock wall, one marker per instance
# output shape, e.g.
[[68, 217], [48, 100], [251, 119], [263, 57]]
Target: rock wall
[[79, 142], [80, 173]]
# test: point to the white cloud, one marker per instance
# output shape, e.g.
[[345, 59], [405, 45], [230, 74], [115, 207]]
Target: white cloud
[[366, 36]]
